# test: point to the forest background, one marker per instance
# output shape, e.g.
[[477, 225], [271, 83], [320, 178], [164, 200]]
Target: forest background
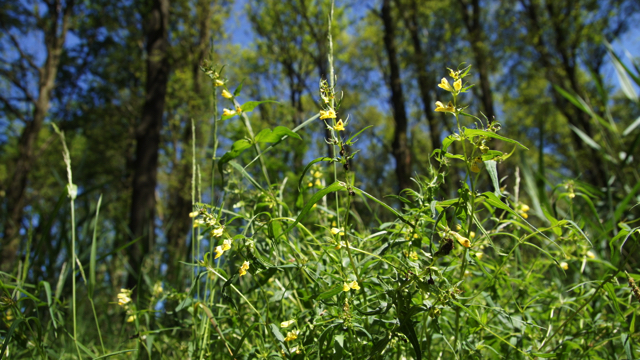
[[125, 83]]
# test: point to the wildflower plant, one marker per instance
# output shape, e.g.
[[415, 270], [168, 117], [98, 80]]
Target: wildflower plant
[[279, 271]]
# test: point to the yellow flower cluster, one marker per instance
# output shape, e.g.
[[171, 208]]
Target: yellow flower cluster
[[444, 84], [244, 268], [226, 245], [352, 285], [336, 231], [441, 108], [522, 210], [291, 335], [124, 297], [327, 114]]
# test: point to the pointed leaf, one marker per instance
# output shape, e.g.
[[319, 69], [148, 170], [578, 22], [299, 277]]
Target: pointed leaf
[[269, 136], [477, 132], [492, 169], [586, 138]]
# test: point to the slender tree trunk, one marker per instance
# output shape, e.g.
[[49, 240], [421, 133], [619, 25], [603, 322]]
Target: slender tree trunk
[[54, 38], [400, 147], [179, 197], [143, 200], [564, 75], [420, 61]]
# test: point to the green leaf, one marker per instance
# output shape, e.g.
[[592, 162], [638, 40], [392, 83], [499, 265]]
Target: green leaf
[[336, 186], [92, 258], [250, 105], [631, 127], [397, 214], [492, 169], [237, 148], [623, 78], [586, 138], [476, 132], [246, 175], [572, 98], [358, 133], [494, 201], [269, 136], [276, 332], [329, 293], [306, 168], [239, 88], [448, 141], [406, 327]]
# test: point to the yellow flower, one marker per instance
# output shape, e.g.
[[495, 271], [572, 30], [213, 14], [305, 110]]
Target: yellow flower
[[472, 235], [244, 268], [441, 108], [457, 84], [454, 74], [310, 184], [226, 245], [461, 239], [564, 266], [354, 285], [194, 214], [474, 167], [346, 287], [413, 255], [124, 297], [157, 288], [339, 126], [336, 231], [227, 112], [444, 84], [291, 335], [591, 255], [522, 210], [226, 94], [217, 232], [479, 255], [327, 114], [218, 251], [218, 82], [318, 183], [286, 324], [131, 318]]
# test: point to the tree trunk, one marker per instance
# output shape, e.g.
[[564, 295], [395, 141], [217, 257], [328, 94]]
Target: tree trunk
[[425, 83], [179, 198], [55, 34], [143, 200], [399, 147]]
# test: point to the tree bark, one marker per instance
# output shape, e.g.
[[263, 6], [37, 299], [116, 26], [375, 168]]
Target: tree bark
[[399, 147], [179, 198], [143, 200], [55, 34], [425, 82]]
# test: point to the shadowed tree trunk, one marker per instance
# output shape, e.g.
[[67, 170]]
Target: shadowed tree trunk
[[179, 197], [420, 61], [143, 200], [55, 27], [399, 147], [563, 72]]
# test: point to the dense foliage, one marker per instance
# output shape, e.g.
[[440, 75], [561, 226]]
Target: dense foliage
[[331, 188]]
